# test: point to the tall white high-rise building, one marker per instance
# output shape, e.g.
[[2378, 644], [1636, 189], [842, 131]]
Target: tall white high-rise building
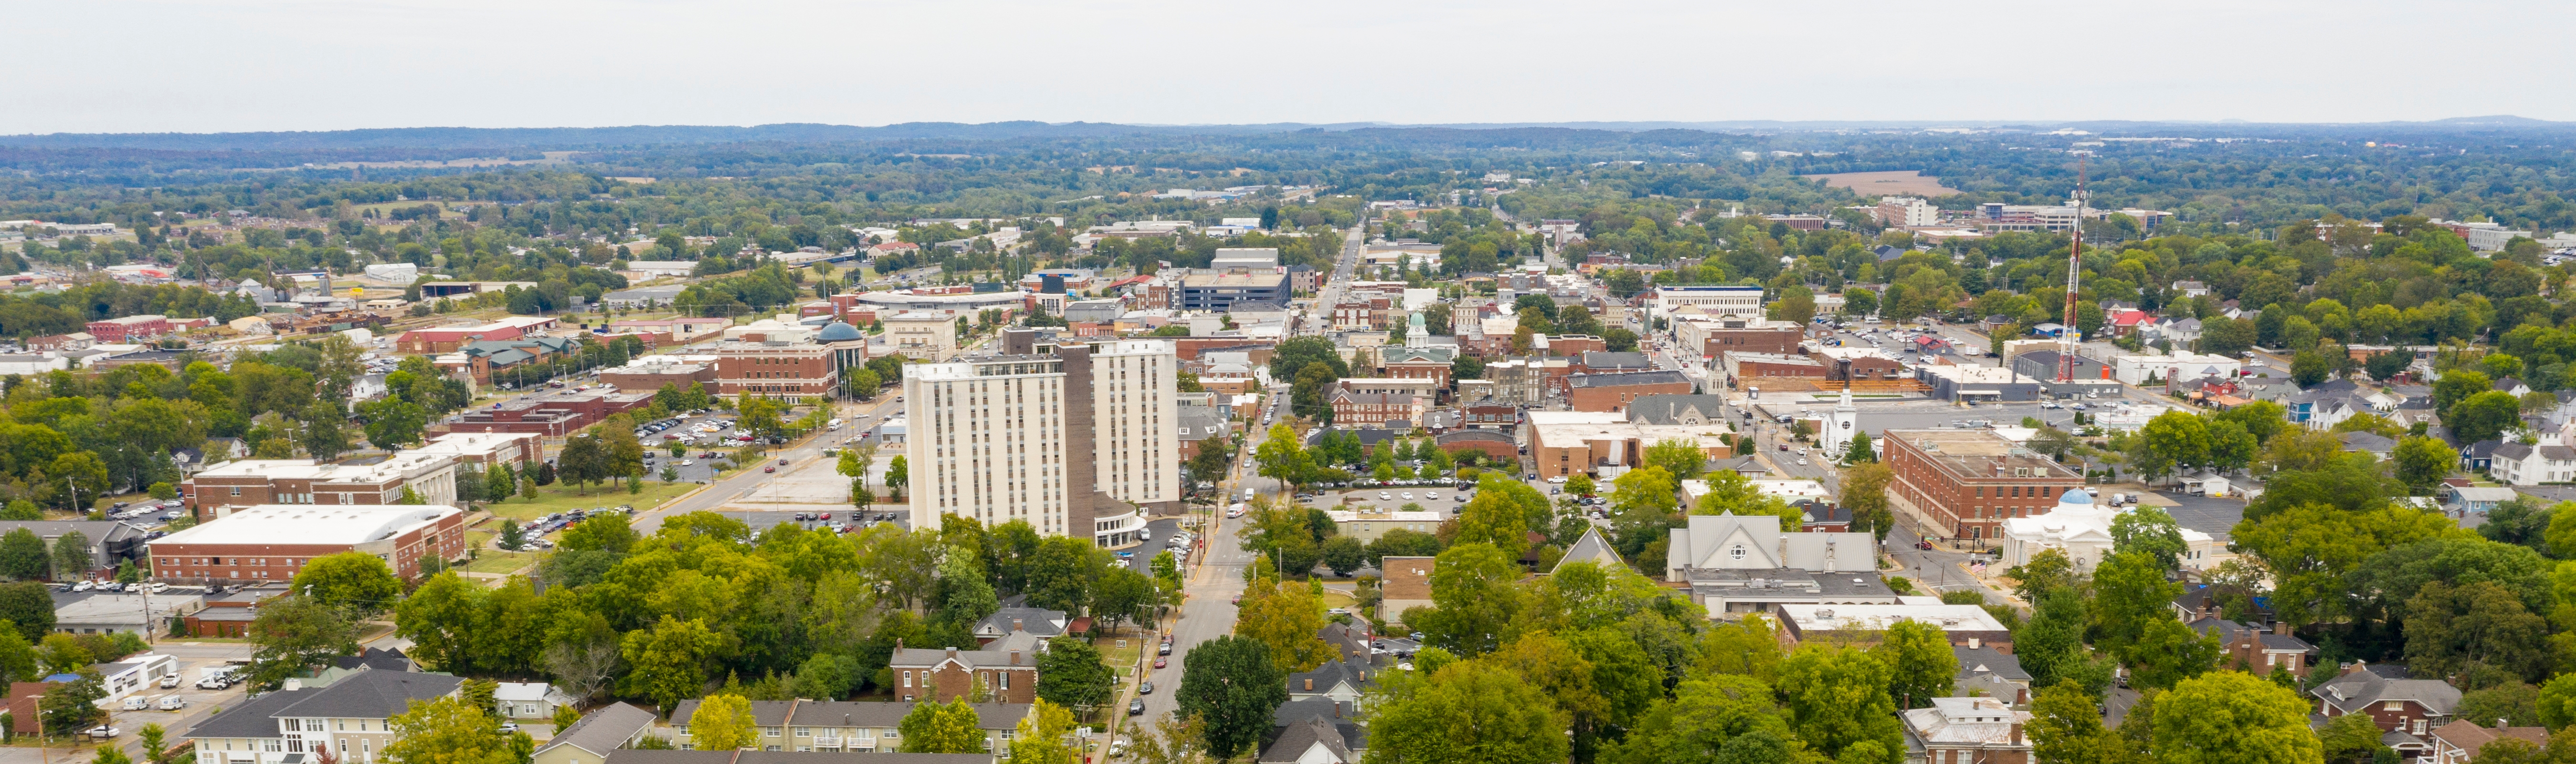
[[1081, 439]]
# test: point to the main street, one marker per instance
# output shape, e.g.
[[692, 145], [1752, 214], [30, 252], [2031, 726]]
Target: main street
[[1208, 612]]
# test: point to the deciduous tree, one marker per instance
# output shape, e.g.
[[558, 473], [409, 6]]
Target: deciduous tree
[[1232, 686]]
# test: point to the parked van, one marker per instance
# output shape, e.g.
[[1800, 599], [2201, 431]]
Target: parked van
[[136, 703], [171, 703]]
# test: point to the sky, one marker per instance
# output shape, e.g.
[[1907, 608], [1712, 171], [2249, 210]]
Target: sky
[[252, 65]]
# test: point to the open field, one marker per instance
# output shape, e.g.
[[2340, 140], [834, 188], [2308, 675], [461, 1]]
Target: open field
[[1892, 183], [559, 497]]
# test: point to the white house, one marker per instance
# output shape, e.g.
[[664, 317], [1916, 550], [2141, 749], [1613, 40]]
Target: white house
[[529, 700]]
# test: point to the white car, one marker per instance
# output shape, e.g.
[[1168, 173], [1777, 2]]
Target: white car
[[1384, 496], [688, 462], [1802, 461], [1430, 496], [1408, 495], [1556, 480]]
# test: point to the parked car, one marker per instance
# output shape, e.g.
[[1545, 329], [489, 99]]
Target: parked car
[[1136, 707]]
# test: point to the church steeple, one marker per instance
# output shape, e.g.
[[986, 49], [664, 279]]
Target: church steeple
[[1416, 335]]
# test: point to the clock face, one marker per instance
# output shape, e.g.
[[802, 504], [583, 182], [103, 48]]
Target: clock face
[[1847, 425]]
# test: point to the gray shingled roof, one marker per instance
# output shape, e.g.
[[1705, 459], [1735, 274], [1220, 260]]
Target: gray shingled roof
[[603, 729], [1301, 737], [373, 694], [1974, 661], [254, 718]]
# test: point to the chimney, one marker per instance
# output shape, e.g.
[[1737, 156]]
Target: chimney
[[952, 651], [1018, 626], [1015, 657], [298, 684], [1974, 643], [2281, 627], [2016, 733], [1310, 685]]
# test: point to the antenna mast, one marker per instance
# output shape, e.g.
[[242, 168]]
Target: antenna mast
[[2071, 338]]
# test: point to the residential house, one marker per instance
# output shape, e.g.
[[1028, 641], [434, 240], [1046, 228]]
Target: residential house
[[1007, 668], [1037, 621], [1967, 731], [529, 700], [603, 730], [1340, 681], [2477, 499], [2479, 456], [2459, 741], [1313, 741], [297, 723], [809, 726], [2369, 443], [2412, 706], [2523, 465], [1988, 672], [2258, 650]]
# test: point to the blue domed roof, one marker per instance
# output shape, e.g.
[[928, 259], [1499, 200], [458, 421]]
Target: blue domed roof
[[837, 332], [2075, 496]]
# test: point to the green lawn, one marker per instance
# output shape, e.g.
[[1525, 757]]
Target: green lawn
[[1123, 659], [560, 497]]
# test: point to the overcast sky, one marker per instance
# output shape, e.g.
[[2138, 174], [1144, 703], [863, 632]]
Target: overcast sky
[[110, 66]]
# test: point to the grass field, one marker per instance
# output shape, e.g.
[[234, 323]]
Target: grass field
[[496, 561], [559, 497]]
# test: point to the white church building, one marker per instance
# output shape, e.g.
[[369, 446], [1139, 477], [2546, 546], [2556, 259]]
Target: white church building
[[2081, 527]]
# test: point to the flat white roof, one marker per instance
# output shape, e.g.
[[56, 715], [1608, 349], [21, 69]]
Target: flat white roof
[[1877, 617], [401, 464], [310, 524]]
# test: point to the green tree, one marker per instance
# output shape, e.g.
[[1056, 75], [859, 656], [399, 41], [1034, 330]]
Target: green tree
[[2422, 462], [1838, 702], [357, 581], [1344, 554], [1044, 736], [1682, 458], [1232, 686], [1281, 458], [392, 423], [1476, 600], [2449, 628], [2308, 368], [30, 606], [1865, 493], [1288, 617], [23, 555], [2149, 531], [2167, 652], [898, 474], [2516, 703], [1859, 452], [608, 534], [2129, 592], [669, 659], [2556, 704], [293, 633], [723, 722], [2484, 416], [2229, 717], [70, 707], [1070, 673], [325, 434], [1467, 712], [1921, 664], [448, 730], [2066, 727], [2172, 438]]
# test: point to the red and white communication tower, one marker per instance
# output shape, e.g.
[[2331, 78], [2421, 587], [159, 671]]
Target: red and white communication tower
[[2068, 337]]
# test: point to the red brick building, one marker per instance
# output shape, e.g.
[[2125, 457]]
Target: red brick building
[[233, 485], [1963, 483], [774, 368], [553, 414], [1613, 392], [1492, 416], [1713, 336], [1352, 409], [272, 542], [129, 328], [1008, 668], [1570, 344], [651, 377]]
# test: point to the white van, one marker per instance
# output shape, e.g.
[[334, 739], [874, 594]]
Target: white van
[[137, 703], [171, 703]]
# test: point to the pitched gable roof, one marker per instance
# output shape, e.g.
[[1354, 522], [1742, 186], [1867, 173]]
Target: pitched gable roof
[[602, 730], [373, 694], [1591, 547], [1304, 737]]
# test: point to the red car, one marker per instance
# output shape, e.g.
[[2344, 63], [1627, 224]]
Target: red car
[[1161, 662], [769, 469]]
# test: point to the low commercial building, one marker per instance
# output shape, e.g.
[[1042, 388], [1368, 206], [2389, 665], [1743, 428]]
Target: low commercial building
[[449, 339], [485, 448], [116, 613], [2137, 369], [129, 328], [777, 369], [1614, 391], [650, 373], [671, 330], [1968, 625], [1712, 337], [273, 542], [1367, 524], [1977, 383]]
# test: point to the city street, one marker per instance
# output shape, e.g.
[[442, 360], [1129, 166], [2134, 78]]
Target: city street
[[1208, 611]]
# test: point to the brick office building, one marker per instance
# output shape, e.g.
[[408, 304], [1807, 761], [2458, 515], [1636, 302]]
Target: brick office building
[[552, 414], [774, 368], [650, 376], [1008, 668], [1714, 336], [1963, 483], [129, 328], [272, 542], [1613, 392]]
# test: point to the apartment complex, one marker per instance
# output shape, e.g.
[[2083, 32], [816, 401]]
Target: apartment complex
[[1964, 483], [922, 335], [1079, 440], [350, 718], [274, 542]]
